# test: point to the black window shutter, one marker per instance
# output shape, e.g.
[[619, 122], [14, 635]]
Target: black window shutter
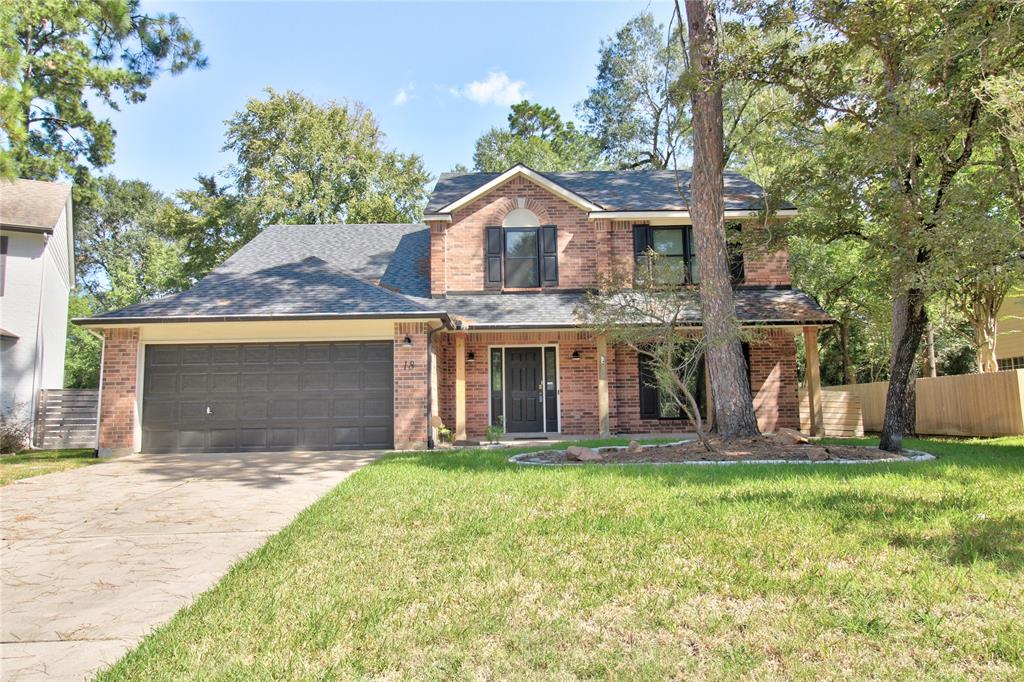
[[648, 387], [549, 256], [735, 252], [641, 240], [493, 257], [746, 361]]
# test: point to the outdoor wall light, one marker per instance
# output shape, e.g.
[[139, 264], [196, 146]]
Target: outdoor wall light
[[576, 355], [471, 356], [407, 341]]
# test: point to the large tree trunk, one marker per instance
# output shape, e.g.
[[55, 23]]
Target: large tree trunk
[[909, 319], [985, 341], [734, 409]]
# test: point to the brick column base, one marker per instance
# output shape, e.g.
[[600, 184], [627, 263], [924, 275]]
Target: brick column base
[[118, 391], [411, 386]]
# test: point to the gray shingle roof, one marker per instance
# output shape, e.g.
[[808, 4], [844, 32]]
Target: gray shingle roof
[[32, 203], [625, 190], [309, 287], [755, 306]]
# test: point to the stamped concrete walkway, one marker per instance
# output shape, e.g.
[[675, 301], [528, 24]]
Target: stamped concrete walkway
[[95, 558]]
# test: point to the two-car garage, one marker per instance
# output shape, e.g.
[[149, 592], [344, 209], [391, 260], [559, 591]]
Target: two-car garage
[[267, 396]]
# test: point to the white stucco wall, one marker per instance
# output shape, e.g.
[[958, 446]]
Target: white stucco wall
[[34, 307]]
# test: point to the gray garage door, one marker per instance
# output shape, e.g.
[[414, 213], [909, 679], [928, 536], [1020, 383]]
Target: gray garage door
[[276, 396]]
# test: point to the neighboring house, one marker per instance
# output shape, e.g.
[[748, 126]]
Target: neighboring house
[[1010, 332], [37, 271], [354, 336]]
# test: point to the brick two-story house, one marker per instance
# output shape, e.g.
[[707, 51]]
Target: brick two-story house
[[318, 337]]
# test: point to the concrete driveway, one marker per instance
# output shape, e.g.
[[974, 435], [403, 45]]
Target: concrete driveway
[[96, 558]]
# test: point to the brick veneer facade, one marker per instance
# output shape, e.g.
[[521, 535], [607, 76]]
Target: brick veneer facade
[[411, 394], [119, 378], [587, 251]]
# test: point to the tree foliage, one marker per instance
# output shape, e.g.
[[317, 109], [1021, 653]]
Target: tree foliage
[[630, 109], [296, 162], [123, 255], [892, 92], [59, 57], [537, 137]]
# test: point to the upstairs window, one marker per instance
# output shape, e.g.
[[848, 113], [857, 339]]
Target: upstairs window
[[675, 249], [522, 253], [675, 258]]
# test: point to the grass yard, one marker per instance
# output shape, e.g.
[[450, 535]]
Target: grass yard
[[38, 462], [440, 566]]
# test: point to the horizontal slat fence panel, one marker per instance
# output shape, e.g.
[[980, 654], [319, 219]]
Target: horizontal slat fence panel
[[989, 404], [841, 414], [66, 418]]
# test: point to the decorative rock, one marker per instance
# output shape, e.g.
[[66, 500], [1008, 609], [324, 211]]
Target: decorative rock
[[577, 453], [634, 447], [788, 437], [818, 454]]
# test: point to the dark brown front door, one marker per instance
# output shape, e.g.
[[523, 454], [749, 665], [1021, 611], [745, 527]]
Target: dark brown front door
[[524, 390]]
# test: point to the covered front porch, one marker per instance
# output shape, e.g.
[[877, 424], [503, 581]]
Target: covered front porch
[[554, 383]]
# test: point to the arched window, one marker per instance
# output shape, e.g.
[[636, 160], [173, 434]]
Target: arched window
[[521, 217], [521, 253]]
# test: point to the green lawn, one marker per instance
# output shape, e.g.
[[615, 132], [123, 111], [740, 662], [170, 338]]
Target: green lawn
[[440, 566], [38, 462]]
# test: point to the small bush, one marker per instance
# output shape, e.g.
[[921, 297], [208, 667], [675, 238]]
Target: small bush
[[14, 433]]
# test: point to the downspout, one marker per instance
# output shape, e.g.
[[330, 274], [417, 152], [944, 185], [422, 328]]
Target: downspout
[[99, 385]]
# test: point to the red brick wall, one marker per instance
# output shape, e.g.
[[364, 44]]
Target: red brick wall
[[773, 380], [457, 253], [119, 378], [624, 398], [767, 269], [773, 383], [411, 396], [577, 378]]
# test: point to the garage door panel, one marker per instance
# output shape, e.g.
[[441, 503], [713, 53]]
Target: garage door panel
[[313, 396], [224, 383], [226, 355], [193, 383], [194, 355], [253, 410], [255, 354], [284, 409], [255, 382]]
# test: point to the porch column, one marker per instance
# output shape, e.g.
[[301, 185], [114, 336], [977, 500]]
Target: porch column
[[813, 374], [460, 386], [602, 384]]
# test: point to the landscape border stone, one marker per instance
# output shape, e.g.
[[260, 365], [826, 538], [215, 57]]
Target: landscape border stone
[[523, 457]]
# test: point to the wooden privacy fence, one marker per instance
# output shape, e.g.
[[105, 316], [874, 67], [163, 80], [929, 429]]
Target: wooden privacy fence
[[841, 414], [990, 404], [66, 418]]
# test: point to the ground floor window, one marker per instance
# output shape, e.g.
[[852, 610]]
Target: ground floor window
[[1011, 363], [658, 403]]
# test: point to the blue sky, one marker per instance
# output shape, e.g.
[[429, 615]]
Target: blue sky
[[436, 74]]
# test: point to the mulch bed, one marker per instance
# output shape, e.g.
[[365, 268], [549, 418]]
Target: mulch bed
[[727, 450]]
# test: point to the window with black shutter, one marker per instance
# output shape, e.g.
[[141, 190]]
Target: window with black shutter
[[658, 404], [522, 257], [669, 254]]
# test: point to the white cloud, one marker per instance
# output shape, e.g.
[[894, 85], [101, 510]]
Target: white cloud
[[497, 88], [404, 95]]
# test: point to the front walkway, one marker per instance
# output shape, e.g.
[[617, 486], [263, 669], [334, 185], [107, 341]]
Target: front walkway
[[94, 559]]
